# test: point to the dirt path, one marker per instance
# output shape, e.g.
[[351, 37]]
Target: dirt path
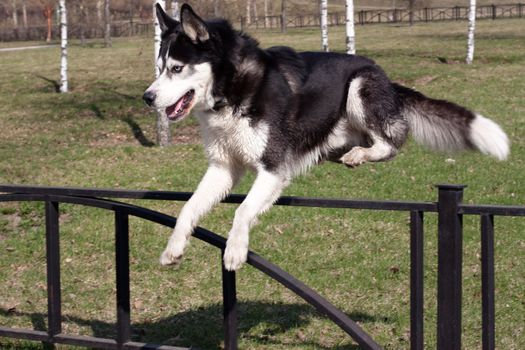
[[27, 47]]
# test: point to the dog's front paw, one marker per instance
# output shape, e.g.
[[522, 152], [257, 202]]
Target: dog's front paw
[[235, 255], [355, 157], [172, 255]]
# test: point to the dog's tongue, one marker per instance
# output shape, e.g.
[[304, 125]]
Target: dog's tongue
[[180, 108], [174, 109]]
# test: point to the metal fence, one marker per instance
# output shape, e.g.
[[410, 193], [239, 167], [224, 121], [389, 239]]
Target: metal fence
[[449, 208], [362, 17], [129, 27]]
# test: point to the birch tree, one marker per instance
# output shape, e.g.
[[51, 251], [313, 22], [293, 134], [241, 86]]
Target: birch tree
[[175, 10], [163, 123], [24, 14], [82, 21], [248, 12], [99, 6], [350, 28], [266, 17], [15, 13], [216, 8], [324, 25], [63, 46], [283, 16], [471, 28], [107, 24]]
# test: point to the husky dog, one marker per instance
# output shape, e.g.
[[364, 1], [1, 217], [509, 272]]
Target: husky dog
[[277, 112]]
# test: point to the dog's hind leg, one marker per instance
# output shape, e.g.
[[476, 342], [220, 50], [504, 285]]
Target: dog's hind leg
[[380, 150], [373, 109], [264, 192], [214, 186]]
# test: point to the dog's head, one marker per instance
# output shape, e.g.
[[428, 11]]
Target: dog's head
[[185, 79]]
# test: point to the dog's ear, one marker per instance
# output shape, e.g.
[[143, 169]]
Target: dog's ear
[[165, 21], [192, 25]]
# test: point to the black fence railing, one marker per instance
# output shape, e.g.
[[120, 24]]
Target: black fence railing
[[122, 28], [395, 15], [450, 211]]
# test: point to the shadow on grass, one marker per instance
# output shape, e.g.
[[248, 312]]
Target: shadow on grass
[[137, 132], [260, 323], [54, 83]]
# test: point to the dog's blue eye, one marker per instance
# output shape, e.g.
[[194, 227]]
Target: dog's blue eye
[[176, 69]]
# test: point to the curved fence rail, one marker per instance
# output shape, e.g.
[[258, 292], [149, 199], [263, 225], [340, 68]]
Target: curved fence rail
[[449, 209]]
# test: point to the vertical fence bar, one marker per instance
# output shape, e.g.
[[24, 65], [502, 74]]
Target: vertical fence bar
[[54, 307], [416, 280], [450, 241], [487, 283], [229, 295], [122, 275]]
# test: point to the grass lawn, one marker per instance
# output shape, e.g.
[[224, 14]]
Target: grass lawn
[[101, 135]]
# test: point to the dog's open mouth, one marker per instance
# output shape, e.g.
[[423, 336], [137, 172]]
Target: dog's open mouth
[[182, 107]]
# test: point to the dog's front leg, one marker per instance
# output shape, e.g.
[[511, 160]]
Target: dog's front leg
[[214, 186], [264, 192]]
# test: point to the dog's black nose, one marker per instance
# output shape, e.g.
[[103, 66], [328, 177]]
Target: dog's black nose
[[149, 97]]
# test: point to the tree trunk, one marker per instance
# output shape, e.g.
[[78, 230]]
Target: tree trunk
[[15, 14], [82, 22], [411, 5], [283, 16], [107, 24], [216, 8], [63, 46], [48, 13], [130, 13], [324, 25], [471, 28], [99, 7], [24, 14], [266, 15], [255, 14], [248, 12], [175, 10], [163, 124], [350, 29]]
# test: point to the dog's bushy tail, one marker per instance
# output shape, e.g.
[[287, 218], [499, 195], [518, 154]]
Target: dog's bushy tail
[[445, 126]]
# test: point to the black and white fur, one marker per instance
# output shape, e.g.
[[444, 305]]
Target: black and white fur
[[277, 112]]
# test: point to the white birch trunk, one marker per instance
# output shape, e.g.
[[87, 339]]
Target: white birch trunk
[[163, 123], [24, 14], [283, 16], [175, 10], [255, 14], [324, 25], [266, 16], [248, 12], [63, 46], [15, 14], [471, 28], [107, 24], [350, 30], [99, 6], [216, 8]]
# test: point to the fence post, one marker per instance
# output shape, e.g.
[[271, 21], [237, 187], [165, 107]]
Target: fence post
[[416, 280], [488, 335], [229, 296], [450, 241], [122, 277], [54, 307]]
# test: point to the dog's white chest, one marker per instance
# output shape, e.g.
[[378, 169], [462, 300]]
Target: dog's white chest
[[230, 137]]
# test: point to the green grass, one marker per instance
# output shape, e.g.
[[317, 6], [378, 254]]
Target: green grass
[[99, 134]]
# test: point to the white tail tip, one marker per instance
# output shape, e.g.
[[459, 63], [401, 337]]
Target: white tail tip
[[489, 138]]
